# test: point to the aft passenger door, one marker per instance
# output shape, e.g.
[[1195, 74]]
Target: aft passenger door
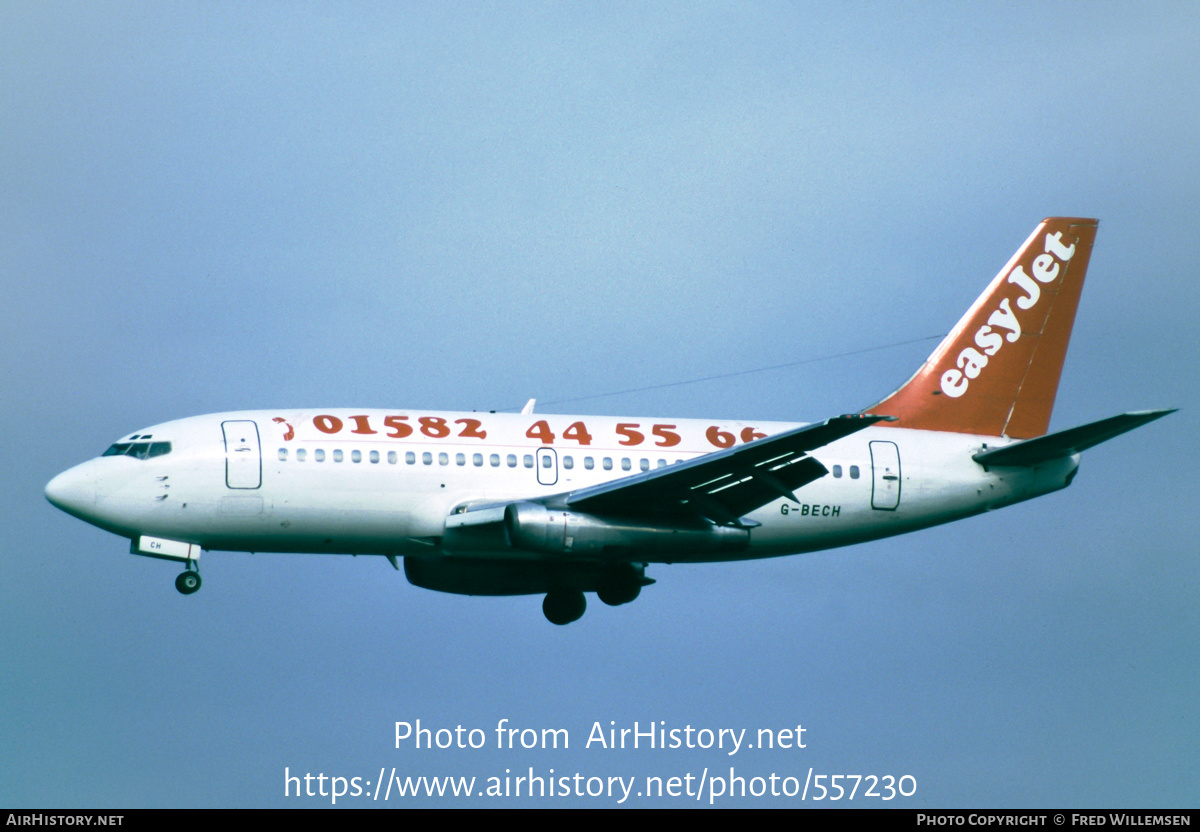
[[885, 476], [243, 454]]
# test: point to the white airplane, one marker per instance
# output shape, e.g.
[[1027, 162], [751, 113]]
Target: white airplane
[[514, 504]]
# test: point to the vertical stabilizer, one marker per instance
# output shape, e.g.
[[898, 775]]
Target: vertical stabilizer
[[997, 371]]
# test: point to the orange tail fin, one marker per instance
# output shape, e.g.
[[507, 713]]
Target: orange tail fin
[[997, 372]]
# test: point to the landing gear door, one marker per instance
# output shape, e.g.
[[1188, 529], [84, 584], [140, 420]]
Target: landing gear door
[[885, 477], [243, 454]]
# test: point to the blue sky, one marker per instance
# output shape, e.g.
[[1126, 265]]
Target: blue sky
[[209, 207]]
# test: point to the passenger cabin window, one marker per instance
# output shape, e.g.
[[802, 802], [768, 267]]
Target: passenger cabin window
[[568, 462], [607, 463], [337, 455], [644, 464], [139, 450], [837, 470], [356, 456], [512, 460], [626, 465], [319, 454], [494, 460], [853, 472], [529, 460], [391, 457], [283, 454], [301, 454], [374, 456], [410, 458], [589, 463]]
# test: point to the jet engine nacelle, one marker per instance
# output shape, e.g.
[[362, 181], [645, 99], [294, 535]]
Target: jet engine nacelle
[[534, 527]]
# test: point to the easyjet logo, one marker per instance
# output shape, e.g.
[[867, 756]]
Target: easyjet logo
[[1002, 325]]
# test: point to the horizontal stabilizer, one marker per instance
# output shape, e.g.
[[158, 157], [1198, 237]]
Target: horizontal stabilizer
[[1067, 442]]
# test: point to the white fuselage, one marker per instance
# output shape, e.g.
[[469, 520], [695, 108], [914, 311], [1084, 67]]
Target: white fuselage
[[385, 482]]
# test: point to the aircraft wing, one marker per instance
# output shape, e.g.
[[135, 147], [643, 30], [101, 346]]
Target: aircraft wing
[[723, 486]]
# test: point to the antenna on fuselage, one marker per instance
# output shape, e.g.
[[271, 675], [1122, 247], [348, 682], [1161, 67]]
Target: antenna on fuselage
[[528, 408]]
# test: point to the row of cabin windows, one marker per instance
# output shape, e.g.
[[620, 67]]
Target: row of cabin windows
[[410, 458], [568, 462]]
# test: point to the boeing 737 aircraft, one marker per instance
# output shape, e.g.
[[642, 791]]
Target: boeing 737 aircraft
[[514, 504]]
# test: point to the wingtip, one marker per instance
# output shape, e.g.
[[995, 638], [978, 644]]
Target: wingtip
[[1151, 415]]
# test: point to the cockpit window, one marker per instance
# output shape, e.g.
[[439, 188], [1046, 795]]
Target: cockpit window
[[140, 450]]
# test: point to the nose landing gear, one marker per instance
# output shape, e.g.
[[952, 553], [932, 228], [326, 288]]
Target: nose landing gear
[[189, 581]]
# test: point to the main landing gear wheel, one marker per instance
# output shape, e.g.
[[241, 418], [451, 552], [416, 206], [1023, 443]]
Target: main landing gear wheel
[[614, 594], [562, 606], [188, 582]]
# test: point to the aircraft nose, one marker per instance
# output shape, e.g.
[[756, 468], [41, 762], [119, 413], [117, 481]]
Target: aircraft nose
[[73, 491]]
